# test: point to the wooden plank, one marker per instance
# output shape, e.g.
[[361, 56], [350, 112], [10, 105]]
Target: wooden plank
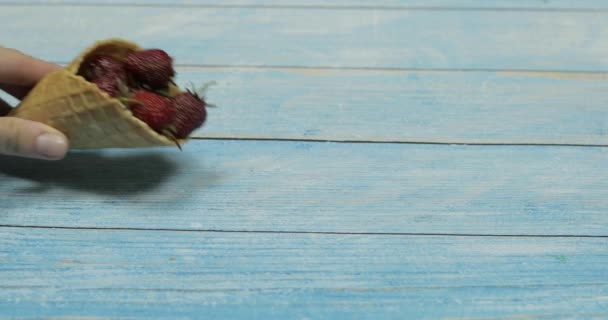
[[304, 186], [380, 4], [461, 107], [448, 107], [76, 274], [335, 38]]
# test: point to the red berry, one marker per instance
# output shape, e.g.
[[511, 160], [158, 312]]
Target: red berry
[[152, 68], [153, 109], [102, 66], [108, 85], [190, 113]]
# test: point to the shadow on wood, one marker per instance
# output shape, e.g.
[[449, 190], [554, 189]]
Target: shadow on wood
[[93, 172]]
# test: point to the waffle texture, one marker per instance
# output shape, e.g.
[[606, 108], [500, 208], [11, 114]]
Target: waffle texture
[[89, 117]]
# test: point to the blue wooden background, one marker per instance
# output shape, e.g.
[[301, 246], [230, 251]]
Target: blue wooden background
[[368, 159]]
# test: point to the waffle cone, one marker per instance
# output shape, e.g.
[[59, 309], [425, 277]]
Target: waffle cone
[[89, 117]]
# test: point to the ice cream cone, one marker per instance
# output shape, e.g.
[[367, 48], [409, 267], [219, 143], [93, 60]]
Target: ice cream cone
[[89, 117]]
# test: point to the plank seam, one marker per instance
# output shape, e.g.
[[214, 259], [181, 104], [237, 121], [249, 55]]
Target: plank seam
[[308, 7], [539, 72], [421, 234], [413, 142]]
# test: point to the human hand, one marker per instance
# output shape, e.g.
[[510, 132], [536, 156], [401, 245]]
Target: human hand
[[19, 137]]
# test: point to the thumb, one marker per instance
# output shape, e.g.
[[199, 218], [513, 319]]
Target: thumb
[[31, 139]]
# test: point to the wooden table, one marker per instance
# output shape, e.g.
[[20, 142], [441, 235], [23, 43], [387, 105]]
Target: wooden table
[[400, 159]]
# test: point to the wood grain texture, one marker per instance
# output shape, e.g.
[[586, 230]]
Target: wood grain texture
[[303, 186], [331, 38], [454, 107], [183, 275], [379, 4], [407, 230], [404, 106]]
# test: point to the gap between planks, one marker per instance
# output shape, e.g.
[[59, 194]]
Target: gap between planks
[[550, 73], [373, 141], [574, 75], [305, 7], [406, 234]]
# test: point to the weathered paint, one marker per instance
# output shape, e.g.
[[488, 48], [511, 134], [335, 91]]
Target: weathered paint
[[410, 71]]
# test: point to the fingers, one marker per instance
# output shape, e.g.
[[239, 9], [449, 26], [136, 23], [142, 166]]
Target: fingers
[[30, 139], [19, 137], [19, 69]]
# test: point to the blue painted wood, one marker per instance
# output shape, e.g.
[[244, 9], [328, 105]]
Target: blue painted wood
[[336, 38], [86, 273], [387, 4], [471, 107], [449, 107], [303, 186]]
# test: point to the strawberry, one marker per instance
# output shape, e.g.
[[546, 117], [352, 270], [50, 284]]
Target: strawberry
[[190, 114], [153, 109], [109, 85], [105, 71], [152, 68], [102, 66]]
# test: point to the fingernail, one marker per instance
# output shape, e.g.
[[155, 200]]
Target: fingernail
[[51, 146]]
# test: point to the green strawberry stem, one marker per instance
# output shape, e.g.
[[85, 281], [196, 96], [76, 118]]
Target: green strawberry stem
[[202, 91], [128, 101], [163, 92], [170, 133]]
